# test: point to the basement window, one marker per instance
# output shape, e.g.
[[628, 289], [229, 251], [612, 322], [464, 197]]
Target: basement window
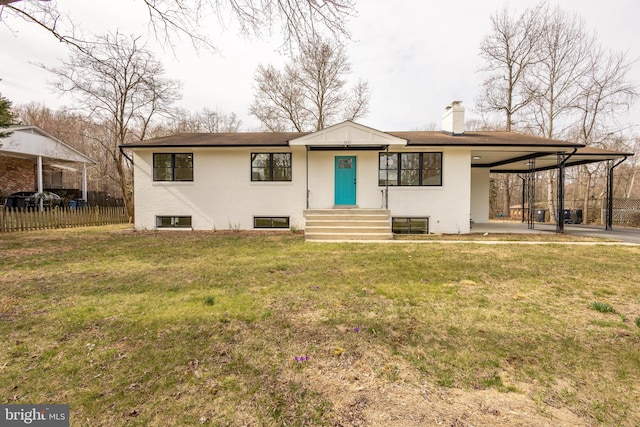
[[271, 222], [173, 222], [410, 225]]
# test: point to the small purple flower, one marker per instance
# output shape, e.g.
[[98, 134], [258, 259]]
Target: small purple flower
[[356, 329], [307, 358], [297, 359]]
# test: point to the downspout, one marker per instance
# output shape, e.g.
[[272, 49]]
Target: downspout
[[609, 224], [560, 192], [124, 154]]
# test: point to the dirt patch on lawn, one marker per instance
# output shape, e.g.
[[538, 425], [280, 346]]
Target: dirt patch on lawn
[[365, 396]]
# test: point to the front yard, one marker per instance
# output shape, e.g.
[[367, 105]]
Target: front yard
[[224, 328]]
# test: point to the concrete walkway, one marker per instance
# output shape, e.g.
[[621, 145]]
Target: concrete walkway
[[623, 234]]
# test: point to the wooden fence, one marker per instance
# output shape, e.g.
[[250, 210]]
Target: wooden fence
[[19, 219]]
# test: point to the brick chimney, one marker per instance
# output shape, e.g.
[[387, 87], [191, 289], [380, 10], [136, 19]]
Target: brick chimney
[[453, 119]]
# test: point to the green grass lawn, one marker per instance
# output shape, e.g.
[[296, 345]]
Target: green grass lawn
[[167, 329]]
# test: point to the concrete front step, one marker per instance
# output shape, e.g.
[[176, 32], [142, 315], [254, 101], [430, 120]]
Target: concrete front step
[[333, 222], [340, 218], [347, 236], [347, 224]]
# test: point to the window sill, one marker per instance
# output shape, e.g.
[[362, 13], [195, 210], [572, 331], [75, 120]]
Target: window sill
[[166, 183]]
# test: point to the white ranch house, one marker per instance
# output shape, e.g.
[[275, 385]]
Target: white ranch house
[[346, 181]]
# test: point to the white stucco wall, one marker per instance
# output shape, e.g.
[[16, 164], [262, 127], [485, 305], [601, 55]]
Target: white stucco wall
[[222, 195], [480, 195]]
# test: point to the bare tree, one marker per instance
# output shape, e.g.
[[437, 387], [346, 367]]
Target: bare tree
[[122, 88], [511, 50], [605, 92], [206, 120], [215, 121], [310, 93], [570, 88], [167, 19], [566, 47]]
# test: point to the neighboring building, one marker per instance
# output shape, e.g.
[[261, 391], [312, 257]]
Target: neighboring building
[[434, 182], [33, 160]]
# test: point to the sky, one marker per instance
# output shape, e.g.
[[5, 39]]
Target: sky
[[417, 56]]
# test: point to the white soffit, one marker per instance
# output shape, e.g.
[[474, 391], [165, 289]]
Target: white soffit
[[348, 134]]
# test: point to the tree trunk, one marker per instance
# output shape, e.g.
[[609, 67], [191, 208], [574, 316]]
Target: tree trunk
[[551, 202]]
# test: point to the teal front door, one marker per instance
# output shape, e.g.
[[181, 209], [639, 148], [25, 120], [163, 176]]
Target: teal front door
[[345, 188]]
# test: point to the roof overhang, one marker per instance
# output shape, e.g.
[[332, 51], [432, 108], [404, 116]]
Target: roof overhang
[[500, 152]]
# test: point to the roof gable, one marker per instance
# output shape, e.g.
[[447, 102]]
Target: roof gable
[[348, 134]]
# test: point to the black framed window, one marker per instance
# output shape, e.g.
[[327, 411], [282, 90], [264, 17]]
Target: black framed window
[[410, 169], [173, 222], [410, 225], [172, 166], [270, 166], [271, 222]]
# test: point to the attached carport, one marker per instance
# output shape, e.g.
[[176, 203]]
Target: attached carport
[[527, 161]]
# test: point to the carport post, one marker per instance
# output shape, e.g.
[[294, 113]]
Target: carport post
[[524, 193], [560, 204], [84, 182], [609, 222], [40, 182]]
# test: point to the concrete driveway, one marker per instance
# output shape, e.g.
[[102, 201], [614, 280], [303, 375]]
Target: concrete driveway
[[624, 234]]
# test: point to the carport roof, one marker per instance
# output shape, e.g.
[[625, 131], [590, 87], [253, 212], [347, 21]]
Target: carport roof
[[31, 142]]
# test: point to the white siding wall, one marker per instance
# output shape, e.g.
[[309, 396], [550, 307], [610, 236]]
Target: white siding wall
[[480, 195], [322, 178], [222, 195], [447, 206]]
